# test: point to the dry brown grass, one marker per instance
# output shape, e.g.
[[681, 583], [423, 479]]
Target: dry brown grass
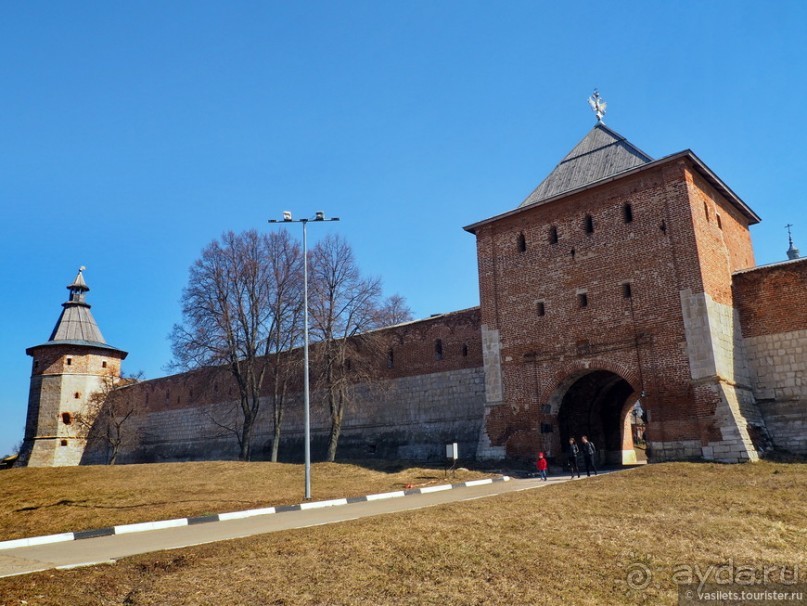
[[569, 544], [47, 501]]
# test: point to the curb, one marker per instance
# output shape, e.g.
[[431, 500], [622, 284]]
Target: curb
[[235, 515]]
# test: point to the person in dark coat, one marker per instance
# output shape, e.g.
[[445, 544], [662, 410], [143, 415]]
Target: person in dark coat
[[542, 466], [571, 453], [589, 452]]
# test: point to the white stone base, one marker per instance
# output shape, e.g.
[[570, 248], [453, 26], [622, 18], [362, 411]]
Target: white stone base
[[487, 451], [619, 457]]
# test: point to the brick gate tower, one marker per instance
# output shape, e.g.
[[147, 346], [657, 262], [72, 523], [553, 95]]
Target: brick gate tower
[[67, 370], [611, 284]]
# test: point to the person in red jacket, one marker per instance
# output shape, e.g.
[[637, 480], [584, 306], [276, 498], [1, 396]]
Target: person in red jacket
[[542, 466]]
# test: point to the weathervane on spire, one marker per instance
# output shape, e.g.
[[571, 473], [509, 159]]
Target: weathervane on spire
[[597, 105]]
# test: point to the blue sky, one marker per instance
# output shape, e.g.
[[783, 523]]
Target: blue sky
[[132, 134]]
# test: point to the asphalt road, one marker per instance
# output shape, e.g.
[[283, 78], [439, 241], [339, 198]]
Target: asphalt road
[[86, 552]]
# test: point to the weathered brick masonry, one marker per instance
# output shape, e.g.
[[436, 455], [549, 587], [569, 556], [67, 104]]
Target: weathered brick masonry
[[598, 293], [431, 392], [771, 303], [65, 373], [63, 378]]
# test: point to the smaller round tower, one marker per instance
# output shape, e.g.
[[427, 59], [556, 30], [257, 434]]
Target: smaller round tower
[[67, 370]]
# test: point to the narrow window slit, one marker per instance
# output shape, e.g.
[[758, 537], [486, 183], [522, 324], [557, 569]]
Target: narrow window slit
[[626, 290], [627, 212]]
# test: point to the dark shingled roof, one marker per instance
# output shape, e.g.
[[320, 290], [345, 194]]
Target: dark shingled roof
[[600, 157], [76, 325], [601, 154]]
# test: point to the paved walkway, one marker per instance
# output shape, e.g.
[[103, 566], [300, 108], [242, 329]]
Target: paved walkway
[[108, 549]]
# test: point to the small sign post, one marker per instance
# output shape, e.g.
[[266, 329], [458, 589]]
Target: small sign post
[[452, 455]]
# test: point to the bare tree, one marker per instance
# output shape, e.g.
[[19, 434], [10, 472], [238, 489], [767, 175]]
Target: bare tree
[[107, 417], [394, 311], [344, 308], [231, 316]]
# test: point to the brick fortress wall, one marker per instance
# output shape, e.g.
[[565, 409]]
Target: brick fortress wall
[[675, 346], [431, 392], [771, 304]]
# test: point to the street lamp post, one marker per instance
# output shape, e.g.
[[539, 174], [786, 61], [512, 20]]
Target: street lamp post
[[287, 218]]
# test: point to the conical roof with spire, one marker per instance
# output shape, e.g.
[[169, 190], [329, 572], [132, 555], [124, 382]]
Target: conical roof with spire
[[76, 325], [601, 154]]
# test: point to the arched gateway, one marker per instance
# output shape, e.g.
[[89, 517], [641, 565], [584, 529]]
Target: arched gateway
[[598, 405]]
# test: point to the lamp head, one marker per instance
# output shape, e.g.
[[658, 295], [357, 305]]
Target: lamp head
[[287, 215], [319, 216]]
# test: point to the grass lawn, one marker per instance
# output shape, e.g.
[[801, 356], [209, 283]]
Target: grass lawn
[[570, 544], [43, 501]]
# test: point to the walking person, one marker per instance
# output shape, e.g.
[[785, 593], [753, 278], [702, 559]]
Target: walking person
[[589, 452], [542, 466], [572, 451]]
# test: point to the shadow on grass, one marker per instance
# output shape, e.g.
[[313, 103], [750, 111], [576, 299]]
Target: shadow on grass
[[776, 456], [785, 456]]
